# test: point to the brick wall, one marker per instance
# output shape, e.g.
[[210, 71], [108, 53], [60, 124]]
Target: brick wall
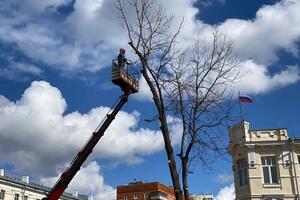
[[140, 189]]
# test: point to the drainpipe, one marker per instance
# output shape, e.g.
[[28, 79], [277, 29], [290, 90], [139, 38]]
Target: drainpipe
[[294, 166]]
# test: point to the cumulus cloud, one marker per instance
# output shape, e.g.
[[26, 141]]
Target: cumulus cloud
[[38, 138], [257, 79], [226, 193], [96, 21], [255, 47], [88, 181], [257, 43], [87, 37], [261, 38], [40, 43], [55, 43]]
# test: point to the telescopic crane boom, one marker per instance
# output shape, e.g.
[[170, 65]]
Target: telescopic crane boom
[[129, 85]]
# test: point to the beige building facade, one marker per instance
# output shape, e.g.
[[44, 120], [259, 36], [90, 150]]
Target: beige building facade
[[202, 197], [265, 163]]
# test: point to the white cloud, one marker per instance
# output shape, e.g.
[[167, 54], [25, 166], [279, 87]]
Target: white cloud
[[30, 69], [256, 78], [207, 3], [96, 21], [226, 193], [4, 101], [87, 38], [55, 43], [224, 178], [40, 43], [256, 42], [144, 91], [261, 38], [40, 6], [88, 181], [38, 138], [19, 71]]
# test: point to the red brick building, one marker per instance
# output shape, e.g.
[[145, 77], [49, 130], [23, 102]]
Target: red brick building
[[145, 191]]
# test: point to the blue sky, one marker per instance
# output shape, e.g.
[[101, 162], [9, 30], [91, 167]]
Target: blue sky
[[55, 87]]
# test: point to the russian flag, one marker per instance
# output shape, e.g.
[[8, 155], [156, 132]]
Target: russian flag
[[245, 99]]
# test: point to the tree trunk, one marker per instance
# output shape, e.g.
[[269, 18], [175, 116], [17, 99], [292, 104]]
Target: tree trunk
[[171, 160], [168, 145], [184, 162], [163, 125]]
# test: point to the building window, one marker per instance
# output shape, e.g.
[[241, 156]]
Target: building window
[[25, 197], [242, 170], [145, 195], [272, 198], [125, 197], [269, 169], [135, 196], [16, 196], [2, 193]]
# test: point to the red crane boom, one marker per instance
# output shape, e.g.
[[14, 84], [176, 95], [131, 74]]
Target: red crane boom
[[129, 85]]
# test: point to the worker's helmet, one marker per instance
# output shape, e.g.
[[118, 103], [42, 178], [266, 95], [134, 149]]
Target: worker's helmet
[[122, 50]]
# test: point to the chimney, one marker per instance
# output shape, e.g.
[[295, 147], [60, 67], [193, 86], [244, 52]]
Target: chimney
[[25, 179], [2, 172]]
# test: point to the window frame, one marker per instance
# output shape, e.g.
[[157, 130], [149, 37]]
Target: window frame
[[242, 170], [135, 196], [16, 196], [270, 167], [2, 194]]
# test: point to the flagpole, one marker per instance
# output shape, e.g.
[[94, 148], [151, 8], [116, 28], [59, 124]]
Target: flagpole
[[241, 111]]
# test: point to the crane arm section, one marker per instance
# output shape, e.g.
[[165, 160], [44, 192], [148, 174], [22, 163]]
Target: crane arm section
[[66, 177]]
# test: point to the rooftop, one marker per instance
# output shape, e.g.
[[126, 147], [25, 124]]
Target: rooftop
[[141, 186], [24, 181], [242, 133]]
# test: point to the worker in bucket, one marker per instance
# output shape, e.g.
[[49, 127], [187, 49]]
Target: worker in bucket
[[121, 59]]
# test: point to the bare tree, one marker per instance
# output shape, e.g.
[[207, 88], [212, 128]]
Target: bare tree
[[149, 36], [198, 91], [190, 85]]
